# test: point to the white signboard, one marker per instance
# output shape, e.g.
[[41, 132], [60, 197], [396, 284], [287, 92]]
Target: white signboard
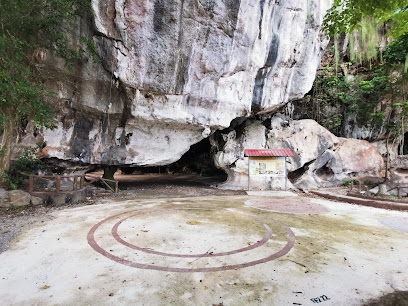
[[267, 166]]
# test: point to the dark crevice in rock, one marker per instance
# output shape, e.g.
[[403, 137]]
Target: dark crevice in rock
[[273, 51], [58, 166], [325, 173], [261, 7], [268, 124], [159, 15], [262, 74], [180, 32], [81, 146], [258, 90], [233, 11], [294, 176], [238, 125], [104, 126], [182, 73], [405, 147], [128, 96]]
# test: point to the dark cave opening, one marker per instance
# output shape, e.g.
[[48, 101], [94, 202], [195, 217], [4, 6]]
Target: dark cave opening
[[405, 147], [325, 173], [198, 160], [294, 176]]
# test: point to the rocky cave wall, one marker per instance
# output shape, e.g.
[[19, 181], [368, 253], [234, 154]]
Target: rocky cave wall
[[321, 158], [173, 72]]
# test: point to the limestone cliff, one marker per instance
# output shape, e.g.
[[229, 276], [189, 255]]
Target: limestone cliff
[[174, 71]]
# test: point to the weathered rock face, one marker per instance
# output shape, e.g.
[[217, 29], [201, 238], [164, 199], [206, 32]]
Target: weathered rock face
[[398, 176], [173, 72], [321, 157]]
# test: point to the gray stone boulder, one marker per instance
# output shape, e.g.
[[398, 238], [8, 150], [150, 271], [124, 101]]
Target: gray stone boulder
[[36, 201], [321, 158], [18, 198], [3, 192], [398, 176], [4, 199]]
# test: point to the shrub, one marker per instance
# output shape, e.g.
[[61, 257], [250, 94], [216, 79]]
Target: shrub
[[346, 183], [28, 163], [355, 182]]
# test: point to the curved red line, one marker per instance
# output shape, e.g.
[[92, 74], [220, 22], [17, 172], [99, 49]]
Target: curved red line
[[97, 248], [135, 247]]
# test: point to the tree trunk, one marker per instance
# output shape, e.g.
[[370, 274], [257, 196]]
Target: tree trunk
[[387, 160], [7, 144], [108, 173]]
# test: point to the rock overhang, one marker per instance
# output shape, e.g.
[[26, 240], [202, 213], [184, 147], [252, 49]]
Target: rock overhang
[[172, 73]]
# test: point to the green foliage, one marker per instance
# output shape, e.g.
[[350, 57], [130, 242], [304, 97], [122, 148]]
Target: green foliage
[[28, 163], [404, 106], [373, 75], [29, 28], [397, 51], [368, 182], [333, 96], [364, 42], [19, 94], [368, 93], [326, 101], [355, 182], [347, 15], [375, 86]]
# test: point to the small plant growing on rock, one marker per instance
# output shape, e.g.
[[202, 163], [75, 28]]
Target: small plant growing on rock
[[346, 183], [355, 182]]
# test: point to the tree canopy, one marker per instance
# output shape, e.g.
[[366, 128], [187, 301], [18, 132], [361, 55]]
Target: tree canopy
[[346, 15], [27, 27]]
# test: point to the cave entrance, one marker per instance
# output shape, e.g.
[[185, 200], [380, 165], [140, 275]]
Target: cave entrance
[[404, 150], [197, 163], [295, 176], [325, 173]]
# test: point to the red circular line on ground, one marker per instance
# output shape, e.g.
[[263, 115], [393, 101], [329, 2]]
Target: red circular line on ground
[[92, 242], [135, 247]]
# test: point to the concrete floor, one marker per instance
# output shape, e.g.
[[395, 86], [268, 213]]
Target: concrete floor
[[209, 251]]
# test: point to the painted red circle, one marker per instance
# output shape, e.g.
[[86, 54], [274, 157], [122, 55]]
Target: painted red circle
[[92, 242]]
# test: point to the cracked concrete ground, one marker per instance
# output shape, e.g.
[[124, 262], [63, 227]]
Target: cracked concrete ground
[[213, 250]]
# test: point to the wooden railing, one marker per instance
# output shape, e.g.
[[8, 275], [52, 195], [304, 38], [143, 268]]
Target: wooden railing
[[399, 187], [361, 187], [78, 181], [104, 181]]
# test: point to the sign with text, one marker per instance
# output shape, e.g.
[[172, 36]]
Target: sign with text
[[267, 166]]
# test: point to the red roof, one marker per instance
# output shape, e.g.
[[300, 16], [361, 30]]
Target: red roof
[[269, 152]]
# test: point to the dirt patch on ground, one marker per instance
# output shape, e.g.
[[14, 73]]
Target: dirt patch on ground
[[397, 298]]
